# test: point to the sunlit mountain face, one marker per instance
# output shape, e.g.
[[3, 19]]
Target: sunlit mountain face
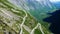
[[37, 8], [26, 16], [54, 1]]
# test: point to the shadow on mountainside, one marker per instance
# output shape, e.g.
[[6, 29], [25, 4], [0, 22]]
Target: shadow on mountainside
[[55, 22]]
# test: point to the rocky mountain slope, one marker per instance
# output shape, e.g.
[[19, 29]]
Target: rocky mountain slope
[[22, 17]]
